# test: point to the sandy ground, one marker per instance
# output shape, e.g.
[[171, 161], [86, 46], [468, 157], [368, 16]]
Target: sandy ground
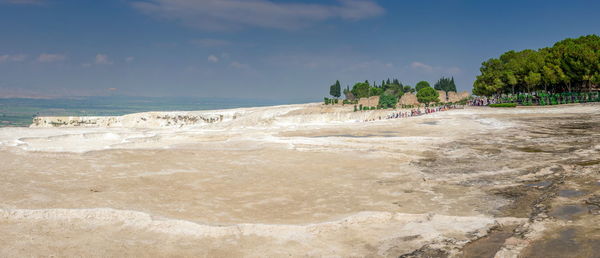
[[308, 180]]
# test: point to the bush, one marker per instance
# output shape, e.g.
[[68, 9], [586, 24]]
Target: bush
[[387, 101], [427, 95], [355, 109], [504, 105]]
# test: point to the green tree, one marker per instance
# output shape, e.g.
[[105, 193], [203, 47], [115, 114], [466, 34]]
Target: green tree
[[532, 80], [427, 95], [452, 85], [445, 84], [387, 101], [421, 84], [407, 89], [569, 65], [511, 80], [375, 91], [361, 90], [335, 89]]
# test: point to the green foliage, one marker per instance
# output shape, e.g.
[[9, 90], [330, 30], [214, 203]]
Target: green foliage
[[445, 84], [408, 89], [335, 89], [421, 84], [347, 101], [387, 101], [365, 89], [393, 90], [361, 90], [427, 95], [569, 65], [503, 105], [375, 91]]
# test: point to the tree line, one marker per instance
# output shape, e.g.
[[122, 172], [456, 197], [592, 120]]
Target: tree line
[[390, 91], [570, 65]]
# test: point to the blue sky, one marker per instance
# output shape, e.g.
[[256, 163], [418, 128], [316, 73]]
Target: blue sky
[[287, 49]]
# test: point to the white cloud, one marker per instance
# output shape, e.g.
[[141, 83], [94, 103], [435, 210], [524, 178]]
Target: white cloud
[[210, 42], [12, 58], [129, 59], [238, 65], [235, 14], [49, 58], [213, 59], [421, 66], [102, 59]]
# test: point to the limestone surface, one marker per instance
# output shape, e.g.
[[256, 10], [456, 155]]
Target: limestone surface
[[302, 180]]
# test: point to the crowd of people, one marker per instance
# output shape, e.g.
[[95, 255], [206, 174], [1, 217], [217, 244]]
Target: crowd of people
[[482, 101], [417, 112], [402, 114]]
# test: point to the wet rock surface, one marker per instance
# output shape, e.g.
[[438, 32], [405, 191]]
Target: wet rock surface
[[489, 245], [548, 172], [565, 242]]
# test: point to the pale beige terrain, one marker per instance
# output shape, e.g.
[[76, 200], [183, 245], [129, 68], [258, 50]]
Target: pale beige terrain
[[299, 180]]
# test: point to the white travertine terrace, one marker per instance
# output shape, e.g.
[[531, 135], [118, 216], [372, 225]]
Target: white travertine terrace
[[272, 181]]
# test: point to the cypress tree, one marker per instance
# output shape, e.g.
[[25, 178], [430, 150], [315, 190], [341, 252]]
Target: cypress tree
[[452, 85], [335, 89]]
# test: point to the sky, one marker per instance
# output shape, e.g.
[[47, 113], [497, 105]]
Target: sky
[[269, 49]]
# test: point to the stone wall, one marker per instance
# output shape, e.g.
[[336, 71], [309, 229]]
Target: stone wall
[[442, 97], [369, 102], [408, 99], [455, 97]]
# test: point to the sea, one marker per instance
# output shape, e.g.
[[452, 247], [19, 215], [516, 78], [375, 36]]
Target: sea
[[21, 111]]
